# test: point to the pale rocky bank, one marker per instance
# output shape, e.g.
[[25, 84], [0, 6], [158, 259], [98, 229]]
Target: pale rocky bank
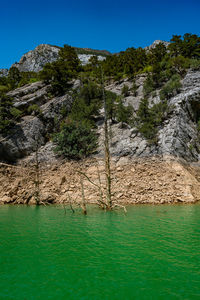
[[142, 181]]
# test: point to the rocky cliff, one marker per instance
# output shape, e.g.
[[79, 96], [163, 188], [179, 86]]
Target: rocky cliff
[[35, 60], [155, 43], [32, 131], [177, 137]]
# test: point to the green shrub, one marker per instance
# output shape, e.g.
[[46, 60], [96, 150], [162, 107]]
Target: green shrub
[[148, 86], [75, 140], [125, 91], [34, 108], [147, 69], [179, 64], [171, 88], [28, 77], [195, 64], [4, 89], [14, 77], [134, 89], [59, 73], [111, 105], [123, 113], [148, 120], [87, 104], [16, 113]]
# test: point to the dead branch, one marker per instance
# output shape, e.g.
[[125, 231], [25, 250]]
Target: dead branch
[[82, 173], [121, 206], [70, 202]]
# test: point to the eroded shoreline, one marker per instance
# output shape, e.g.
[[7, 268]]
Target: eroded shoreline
[[143, 181]]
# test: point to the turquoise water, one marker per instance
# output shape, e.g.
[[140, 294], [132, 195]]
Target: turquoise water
[[153, 252]]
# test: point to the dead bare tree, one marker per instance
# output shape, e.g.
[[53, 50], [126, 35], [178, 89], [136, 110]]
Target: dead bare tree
[[37, 177], [102, 204], [83, 206], [70, 203], [106, 149]]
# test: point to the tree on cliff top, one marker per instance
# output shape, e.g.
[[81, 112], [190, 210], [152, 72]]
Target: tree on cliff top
[[60, 72]]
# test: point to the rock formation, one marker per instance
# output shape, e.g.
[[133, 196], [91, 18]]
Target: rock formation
[[178, 137], [35, 60], [155, 43], [32, 131]]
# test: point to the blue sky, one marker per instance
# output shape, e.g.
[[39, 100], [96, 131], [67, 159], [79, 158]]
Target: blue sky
[[111, 25]]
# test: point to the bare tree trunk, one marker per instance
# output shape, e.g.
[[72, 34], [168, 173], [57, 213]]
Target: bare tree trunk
[[106, 149], [83, 197], [70, 203], [37, 177], [101, 202]]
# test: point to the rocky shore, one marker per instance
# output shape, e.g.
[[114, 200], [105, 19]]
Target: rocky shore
[[134, 181]]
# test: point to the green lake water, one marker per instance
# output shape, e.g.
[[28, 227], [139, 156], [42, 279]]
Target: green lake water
[[153, 252]]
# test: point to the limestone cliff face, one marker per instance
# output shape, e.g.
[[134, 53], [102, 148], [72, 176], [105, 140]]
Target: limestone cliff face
[[177, 137], [32, 131], [155, 43], [36, 59]]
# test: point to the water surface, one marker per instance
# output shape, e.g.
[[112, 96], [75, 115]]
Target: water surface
[[153, 252]]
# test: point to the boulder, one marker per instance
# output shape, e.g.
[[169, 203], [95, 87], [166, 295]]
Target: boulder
[[24, 138]]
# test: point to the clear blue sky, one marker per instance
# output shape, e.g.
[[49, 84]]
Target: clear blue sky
[[112, 25]]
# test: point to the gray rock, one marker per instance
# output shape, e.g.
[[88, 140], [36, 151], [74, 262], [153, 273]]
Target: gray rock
[[177, 137], [84, 58], [35, 93], [32, 131], [35, 60], [23, 139], [155, 43], [46, 154], [52, 111], [3, 72]]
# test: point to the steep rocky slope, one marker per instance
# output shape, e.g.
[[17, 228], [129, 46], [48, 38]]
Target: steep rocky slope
[[177, 137], [32, 131]]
